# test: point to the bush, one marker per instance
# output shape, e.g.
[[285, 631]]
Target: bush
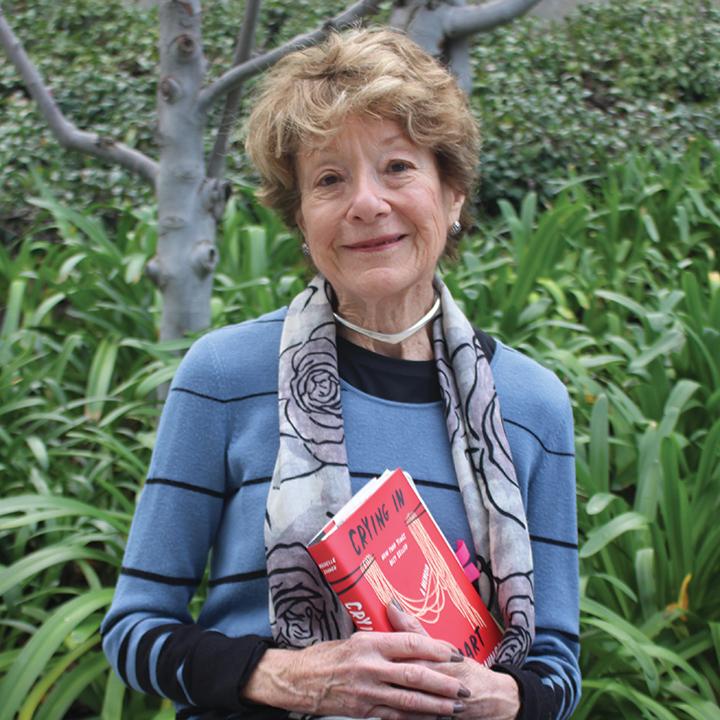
[[614, 285], [611, 79], [553, 99], [100, 61]]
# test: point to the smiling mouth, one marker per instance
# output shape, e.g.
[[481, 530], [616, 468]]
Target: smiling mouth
[[379, 243]]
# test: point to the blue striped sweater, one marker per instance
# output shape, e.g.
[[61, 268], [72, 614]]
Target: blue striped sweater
[[205, 495]]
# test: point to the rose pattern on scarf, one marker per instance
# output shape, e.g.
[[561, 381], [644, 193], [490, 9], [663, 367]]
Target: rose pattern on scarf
[[304, 615], [471, 390], [453, 417], [314, 408], [514, 647]]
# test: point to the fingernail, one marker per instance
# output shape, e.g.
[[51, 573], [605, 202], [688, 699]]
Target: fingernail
[[463, 692], [397, 605], [458, 707], [457, 657], [444, 717]]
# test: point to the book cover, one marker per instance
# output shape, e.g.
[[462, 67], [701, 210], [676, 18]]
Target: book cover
[[385, 544]]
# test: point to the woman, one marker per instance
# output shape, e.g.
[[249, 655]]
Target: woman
[[367, 146]]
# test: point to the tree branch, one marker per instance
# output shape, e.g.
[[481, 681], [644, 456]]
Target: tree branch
[[243, 48], [236, 76], [466, 20], [68, 134]]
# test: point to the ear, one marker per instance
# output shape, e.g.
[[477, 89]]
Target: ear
[[300, 220], [455, 201]]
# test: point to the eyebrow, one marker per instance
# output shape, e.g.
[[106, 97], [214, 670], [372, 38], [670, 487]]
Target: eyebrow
[[394, 138], [322, 153]]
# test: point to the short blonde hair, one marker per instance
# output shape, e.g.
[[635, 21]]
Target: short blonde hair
[[378, 72]]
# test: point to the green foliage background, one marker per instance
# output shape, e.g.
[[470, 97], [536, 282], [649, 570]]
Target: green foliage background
[[606, 271], [617, 77]]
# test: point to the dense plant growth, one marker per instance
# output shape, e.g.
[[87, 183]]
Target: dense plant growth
[[616, 77], [611, 278], [614, 285], [552, 98]]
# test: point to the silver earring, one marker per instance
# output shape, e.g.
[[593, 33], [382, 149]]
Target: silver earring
[[455, 228], [305, 249]]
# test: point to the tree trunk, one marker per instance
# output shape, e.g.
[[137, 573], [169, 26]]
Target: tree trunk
[[189, 204], [443, 27]]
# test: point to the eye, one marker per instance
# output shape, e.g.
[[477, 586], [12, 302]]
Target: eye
[[328, 179], [398, 166]]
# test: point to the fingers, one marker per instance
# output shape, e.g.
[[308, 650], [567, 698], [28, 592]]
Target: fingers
[[417, 676], [402, 621], [386, 713], [405, 703], [413, 646], [395, 676]]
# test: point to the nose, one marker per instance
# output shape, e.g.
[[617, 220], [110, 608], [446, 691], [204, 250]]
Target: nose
[[368, 201]]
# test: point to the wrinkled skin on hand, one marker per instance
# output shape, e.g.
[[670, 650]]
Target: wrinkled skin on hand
[[403, 675], [493, 695]]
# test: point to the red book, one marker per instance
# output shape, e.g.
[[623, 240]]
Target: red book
[[385, 544]]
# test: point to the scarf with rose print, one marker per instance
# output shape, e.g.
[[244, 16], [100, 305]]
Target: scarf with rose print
[[311, 481]]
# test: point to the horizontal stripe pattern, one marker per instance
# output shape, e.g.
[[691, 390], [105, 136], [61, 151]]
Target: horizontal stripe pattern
[[213, 398], [548, 450], [186, 486], [219, 436], [554, 541], [158, 577]]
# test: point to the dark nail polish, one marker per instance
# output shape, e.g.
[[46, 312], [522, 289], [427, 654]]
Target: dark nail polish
[[444, 717], [457, 657], [463, 692], [458, 707], [397, 605]]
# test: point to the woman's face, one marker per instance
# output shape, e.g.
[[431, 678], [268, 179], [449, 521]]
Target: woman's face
[[374, 212]]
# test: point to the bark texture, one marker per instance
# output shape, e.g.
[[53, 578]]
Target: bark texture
[[189, 204]]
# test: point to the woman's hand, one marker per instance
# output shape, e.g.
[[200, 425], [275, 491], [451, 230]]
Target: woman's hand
[[395, 675], [493, 695]]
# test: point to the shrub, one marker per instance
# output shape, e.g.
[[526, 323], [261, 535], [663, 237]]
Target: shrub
[[553, 99], [613, 78], [105, 80], [614, 285]]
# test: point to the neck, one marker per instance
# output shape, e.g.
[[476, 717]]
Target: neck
[[390, 316]]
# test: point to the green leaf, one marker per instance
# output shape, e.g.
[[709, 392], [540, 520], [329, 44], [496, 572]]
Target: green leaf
[[42, 559], [112, 707], [68, 689], [33, 658], [598, 502], [601, 536], [13, 310], [68, 506], [100, 377], [599, 446], [715, 634], [50, 677], [667, 343]]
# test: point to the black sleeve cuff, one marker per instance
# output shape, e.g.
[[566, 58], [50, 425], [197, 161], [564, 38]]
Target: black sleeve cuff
[[211, 669], [219, 668], [537, 702]]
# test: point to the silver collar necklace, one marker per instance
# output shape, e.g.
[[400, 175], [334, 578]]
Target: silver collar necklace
[[393, 338]]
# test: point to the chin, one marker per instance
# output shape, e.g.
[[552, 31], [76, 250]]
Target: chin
[[378, 283]]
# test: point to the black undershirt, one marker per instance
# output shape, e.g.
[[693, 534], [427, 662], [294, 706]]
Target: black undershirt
[[412, 381]]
